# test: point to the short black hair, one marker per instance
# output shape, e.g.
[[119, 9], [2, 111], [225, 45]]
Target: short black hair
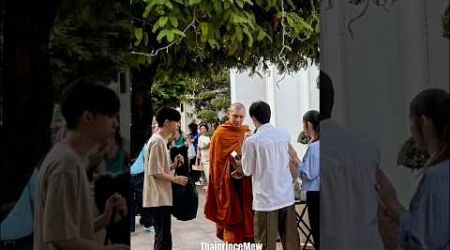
[[326, 95], [193, 127], [261, 111], [81, 96], [167, 114], [313, 117]]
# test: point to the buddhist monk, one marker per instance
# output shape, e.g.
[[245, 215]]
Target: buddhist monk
[[229, 194]]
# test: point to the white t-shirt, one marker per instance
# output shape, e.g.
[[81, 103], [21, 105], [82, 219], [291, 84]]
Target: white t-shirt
[[265, 157]]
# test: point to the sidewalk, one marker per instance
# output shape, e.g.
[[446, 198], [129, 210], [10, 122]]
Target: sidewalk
[[186, 235]]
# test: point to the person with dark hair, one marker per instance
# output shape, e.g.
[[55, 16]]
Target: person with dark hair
[[265, 157], [192, 144], [348, 199], [425, 225], [203, 152], [157, 195], [64, 216], [326, 96], [229, 193], [309, 172]]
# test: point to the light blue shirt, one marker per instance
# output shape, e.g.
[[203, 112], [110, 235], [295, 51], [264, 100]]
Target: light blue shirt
[[19, 222], [426, 224], [309, 170], [138, 165]]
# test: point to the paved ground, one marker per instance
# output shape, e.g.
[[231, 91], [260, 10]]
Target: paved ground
[[186, 235]]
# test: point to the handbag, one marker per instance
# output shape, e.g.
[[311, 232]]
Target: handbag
[[185, 199]]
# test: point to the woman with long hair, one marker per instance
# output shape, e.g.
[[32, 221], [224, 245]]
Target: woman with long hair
[[425, 224], [309, 172]]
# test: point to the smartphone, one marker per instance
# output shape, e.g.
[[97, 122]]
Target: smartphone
[[235, 156]]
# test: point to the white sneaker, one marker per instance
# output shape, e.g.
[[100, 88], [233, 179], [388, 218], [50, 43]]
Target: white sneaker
[[150, 229], [132, 233]]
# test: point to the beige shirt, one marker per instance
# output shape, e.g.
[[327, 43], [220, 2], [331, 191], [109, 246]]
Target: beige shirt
[[63, 204], [157, 192]]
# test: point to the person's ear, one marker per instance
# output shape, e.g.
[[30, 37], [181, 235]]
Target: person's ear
[[87, 117], [426, 124]]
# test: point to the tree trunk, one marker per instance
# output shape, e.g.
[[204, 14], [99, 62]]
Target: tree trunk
[[141, 107], [27, 93]]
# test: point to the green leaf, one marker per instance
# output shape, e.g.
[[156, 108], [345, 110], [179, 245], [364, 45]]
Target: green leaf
[[290, 21], [213, 43], [138, 32], [161, 35], [217, 6], [240, 3], [204, 28], [170, 36], [168, 4], [194, 2], [179, 1], [155, 27], [147, 10], [239, 35], [178, 32], [162, 21], [174, 21], [261, 35], [249, 37], [306, 25]]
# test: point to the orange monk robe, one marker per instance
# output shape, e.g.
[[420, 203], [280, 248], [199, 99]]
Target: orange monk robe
[[229, 201]]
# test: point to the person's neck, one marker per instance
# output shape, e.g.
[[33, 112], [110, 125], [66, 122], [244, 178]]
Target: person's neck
[[433, 145], [164, 133], [258, 124], [79, 142]]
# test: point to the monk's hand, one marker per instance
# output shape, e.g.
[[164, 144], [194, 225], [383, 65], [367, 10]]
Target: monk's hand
[[180, 180], [237, 175]]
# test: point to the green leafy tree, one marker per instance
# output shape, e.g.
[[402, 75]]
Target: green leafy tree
[[174, 37], [90, 39]]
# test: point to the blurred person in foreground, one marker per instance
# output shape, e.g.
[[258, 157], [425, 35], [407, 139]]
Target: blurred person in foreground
[[63, 210], [348, 167], [425, 224]]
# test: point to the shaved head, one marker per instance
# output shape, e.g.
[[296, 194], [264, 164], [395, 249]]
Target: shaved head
[[236, 114], [236, 106]]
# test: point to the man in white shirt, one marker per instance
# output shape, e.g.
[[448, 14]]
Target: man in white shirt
[[265, 157], [348, 199]]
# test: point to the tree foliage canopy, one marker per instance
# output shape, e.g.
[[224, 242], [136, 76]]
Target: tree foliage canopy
[[90, 38], [196, 35]]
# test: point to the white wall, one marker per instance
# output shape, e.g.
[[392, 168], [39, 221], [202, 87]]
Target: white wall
[[289, 98], [392, 56]]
